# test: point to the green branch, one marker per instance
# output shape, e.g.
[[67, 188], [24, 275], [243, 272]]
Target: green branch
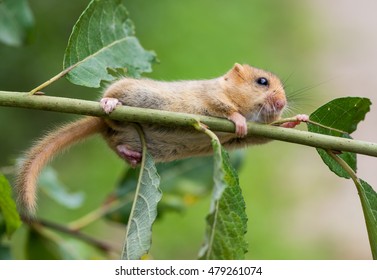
[[142, 115], [73, 233]]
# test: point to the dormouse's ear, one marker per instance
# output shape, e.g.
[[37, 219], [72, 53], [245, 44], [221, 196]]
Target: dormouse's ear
[[238, 67], [237, 72]]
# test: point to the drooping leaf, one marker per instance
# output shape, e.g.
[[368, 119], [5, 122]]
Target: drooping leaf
[[342, 114], [16, 22], [102, 43], [368, 198], [227, 220], [8, 207], [51, 186], [143, 212]]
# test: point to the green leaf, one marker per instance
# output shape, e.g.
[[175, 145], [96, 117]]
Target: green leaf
[[143, 212], [368, 198], [8, 207], [227, 220], [103, 43], [50, 185], [342, 114], [16, 22]]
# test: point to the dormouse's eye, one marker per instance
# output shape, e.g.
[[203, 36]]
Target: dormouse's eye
[[262, 81]]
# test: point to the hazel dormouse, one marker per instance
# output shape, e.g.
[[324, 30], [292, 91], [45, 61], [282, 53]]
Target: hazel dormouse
[[243, 94]]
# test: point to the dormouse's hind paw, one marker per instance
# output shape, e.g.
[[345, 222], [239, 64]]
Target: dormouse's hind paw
[[108, 104], [302, 118], [299, 118], [132, 157]]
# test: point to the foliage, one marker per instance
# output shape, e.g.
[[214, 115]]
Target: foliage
[[227, 220], [102, 46], [341, 116], [53, 188], [16, 22], [8, 207], [144, 208], [104, 39]]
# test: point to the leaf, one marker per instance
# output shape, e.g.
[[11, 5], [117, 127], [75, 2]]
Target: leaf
[[16, 22], [368, 198], [50, 184], [143, 212], [227, 220], [103, 43], [8, 207], [342, 114]]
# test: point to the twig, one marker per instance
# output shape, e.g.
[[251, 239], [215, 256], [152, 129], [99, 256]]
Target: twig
[[76, 234], [53, 79], [142, 115]]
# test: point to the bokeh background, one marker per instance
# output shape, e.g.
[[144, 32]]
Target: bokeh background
[[297, 208]]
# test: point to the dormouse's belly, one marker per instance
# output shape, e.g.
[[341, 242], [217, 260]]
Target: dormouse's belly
[[166, 143]]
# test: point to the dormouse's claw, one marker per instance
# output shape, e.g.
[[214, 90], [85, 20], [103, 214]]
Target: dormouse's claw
[[108, 104]]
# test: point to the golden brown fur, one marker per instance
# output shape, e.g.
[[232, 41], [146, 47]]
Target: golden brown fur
[[238, 95], [43, 151]]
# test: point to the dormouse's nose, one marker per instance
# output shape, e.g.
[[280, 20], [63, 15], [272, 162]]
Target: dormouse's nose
[[280, 103]]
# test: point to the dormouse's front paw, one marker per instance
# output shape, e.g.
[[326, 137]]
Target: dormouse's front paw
[[240, 123], [108, 104]]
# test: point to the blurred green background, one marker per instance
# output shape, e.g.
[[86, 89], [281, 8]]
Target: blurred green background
[[292, 199]]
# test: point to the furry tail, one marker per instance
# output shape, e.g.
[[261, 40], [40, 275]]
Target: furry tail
[[43, 151]]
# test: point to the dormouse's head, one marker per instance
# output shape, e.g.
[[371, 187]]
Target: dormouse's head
[[258, 94]]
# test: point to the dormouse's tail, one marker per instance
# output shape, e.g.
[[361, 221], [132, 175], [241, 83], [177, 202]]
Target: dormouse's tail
[[43, 151]]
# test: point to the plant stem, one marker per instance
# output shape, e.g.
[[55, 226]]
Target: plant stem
[[215, 201], [370, 219], [143, 115], [124, 255], [76, 234], [53, 79], [96, 214], [293, 119], [345, 166]]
